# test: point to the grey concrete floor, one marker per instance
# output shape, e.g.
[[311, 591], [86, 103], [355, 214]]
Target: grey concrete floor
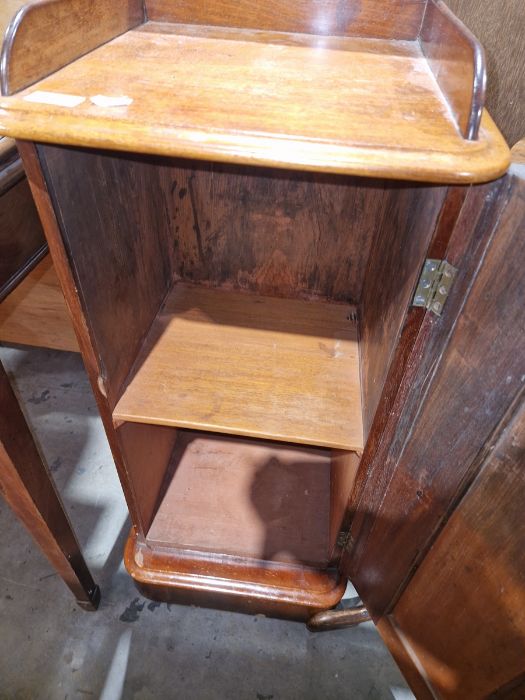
[[132, 647]]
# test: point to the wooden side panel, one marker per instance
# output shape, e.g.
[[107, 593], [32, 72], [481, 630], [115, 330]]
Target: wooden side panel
[[44, 36], [463, 611], [342, 478], [113, 221], [458, 63], [147, 451], [451, 403], [22, 242], [490, 21], [388, 19], [408, 219]]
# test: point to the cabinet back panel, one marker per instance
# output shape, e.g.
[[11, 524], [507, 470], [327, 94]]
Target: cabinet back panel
[[388, 19]]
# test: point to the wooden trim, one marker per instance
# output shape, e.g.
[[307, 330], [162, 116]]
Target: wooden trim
[[23, 271], [26, 485], [59, 256], [405, 658], [457, 60], [45, 35]]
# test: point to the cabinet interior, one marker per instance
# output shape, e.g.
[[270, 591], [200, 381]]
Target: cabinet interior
[[245, 320]]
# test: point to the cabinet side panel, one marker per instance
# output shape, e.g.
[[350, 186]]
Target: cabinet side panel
[[479, 561], [465, 376], [386, 19], [408, 219], [113, 221]]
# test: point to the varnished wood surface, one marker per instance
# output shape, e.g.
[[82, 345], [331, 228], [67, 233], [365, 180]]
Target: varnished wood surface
[[403, 504], [44, 36], [475, 577], [400, 243], [28, 489], [261, 500], [35, 313], [394, 19], [22, 242], [381, 113], [237, 363], [273, 588], [458, 62], [500, 26]]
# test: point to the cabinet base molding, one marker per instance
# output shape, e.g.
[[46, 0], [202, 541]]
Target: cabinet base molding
[[231, 583]]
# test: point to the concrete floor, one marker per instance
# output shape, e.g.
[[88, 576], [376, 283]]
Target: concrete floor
[[132, 647]]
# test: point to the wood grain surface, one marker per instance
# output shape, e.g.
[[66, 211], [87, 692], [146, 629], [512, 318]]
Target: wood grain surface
[[46, 35], [222, 581], [458, 62], [35, 313], [262, 500], [243, 364], [22, 241], [475, 575], [380, 114], [500, 27], [432, 452], [27, 487], [395, 19]]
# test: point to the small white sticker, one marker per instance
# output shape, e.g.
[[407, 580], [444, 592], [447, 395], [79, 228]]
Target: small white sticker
[[115, 101], [55, 98]]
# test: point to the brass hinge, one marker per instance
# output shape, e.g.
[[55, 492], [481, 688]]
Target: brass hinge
[[434, 285]]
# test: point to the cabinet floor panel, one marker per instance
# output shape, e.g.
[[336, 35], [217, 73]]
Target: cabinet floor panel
[[228, 362], [247, 498]]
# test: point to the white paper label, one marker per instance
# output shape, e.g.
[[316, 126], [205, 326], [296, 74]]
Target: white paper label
[[55, 98]]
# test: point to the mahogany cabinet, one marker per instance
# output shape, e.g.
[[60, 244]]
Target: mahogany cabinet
[[279, 228]]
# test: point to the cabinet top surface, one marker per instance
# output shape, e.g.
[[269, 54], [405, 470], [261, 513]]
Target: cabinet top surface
[[358, 106]]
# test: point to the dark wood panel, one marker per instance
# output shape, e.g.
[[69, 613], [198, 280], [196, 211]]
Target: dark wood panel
[[69, 287], [22, 242], [408, 219], [500, 27], [457, 60], [271, 232], [389, 19], [463, 609], [44, 36], [417, 475], [27, 487], [114, 223]]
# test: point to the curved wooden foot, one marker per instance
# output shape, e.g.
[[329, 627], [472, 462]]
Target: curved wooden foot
[[338, 619]]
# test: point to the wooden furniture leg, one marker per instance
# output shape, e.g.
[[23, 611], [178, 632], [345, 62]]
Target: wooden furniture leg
[[27, 487]]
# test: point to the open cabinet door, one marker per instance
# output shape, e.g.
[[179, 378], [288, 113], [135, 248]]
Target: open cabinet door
[[437, 535]]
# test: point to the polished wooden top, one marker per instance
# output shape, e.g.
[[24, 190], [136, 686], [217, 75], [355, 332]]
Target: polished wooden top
[[358, 106]]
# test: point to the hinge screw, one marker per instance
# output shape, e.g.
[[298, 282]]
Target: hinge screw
[[420, 299], [437, 306]]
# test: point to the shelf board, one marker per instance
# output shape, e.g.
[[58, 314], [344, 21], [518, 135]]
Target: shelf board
[[221, 361], [349, 105], [262, 500]]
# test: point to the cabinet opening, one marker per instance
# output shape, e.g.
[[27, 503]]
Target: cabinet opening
[[246, 319]]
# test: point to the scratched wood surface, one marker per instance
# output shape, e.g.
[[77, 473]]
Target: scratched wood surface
[[380, 94], [249, 365]]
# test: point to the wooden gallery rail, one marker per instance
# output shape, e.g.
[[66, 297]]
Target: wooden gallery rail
[[274, 224]]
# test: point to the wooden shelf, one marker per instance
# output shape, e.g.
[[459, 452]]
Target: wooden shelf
[[35, 313], [242, 364], [336, 104], [262, 500]]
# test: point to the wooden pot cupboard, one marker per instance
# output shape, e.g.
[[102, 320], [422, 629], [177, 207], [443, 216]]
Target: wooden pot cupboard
[[288, 241]]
